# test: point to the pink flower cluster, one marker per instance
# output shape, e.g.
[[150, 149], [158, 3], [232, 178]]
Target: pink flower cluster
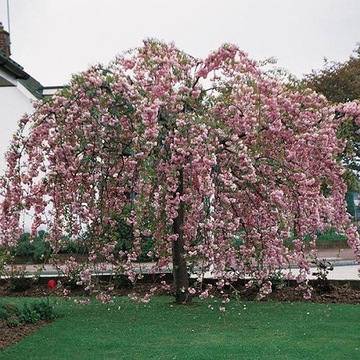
[[249, 159]]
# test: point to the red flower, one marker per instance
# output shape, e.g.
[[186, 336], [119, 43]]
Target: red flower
[[51, 284]]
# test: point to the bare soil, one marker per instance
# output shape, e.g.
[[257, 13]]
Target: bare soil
[[12, 335]]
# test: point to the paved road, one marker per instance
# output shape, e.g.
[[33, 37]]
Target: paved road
[[345, 266], [340, 272]]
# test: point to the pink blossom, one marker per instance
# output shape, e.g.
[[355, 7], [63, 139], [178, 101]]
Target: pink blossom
[[84, 302], [192, 291], [132, 149], [104, 298]]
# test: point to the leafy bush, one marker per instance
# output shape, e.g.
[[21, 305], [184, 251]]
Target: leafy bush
[[17, 280], [73, 247], [4, 311], [19, 284], [35, 248], [27, 313], [323, 268], [277, 280], [124, 237], [24, 247], [45, 310], [329, 238], [38, 250], [5, 258], [10, 312]]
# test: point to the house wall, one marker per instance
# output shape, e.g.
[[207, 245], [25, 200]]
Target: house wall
[[15, 101]]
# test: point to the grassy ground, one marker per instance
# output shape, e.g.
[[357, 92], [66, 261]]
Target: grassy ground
[[160, 330]]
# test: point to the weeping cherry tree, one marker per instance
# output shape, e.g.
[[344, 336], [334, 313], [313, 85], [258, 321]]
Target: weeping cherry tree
[[217, 163]]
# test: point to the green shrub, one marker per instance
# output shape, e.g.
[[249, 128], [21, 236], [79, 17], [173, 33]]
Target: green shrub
[[19, 284], [323, 268], [16, 279], [27, 313], [24, 247], [123, 234], [45, 310], [5, 259], [350, 204], [38, 250], [4, 310], [73, 247], [277, 280], [328, 238], [35, 248], [331, 237], [42, 251], [10, 312]]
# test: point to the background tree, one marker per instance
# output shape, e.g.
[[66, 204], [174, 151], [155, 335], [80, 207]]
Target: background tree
[[213, 160], [339, 82]]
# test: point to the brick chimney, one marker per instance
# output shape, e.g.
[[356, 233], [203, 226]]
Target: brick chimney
[[4, 41]]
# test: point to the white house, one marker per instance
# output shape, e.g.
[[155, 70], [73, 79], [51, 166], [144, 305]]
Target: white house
[[17, 92]]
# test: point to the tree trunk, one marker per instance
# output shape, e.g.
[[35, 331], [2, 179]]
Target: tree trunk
[[181, 278]]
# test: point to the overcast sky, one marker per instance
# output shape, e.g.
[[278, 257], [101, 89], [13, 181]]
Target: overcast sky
[[52, 39]]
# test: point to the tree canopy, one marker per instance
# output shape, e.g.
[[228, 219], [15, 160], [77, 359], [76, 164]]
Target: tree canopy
[[340, 83], [213, 160]]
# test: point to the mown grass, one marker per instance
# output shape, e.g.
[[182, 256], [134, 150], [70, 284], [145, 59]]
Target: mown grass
[[160, 330]]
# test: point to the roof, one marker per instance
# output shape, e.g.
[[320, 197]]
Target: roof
[[16, 70]]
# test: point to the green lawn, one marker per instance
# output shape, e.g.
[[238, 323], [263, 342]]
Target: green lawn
[[160, 330]]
